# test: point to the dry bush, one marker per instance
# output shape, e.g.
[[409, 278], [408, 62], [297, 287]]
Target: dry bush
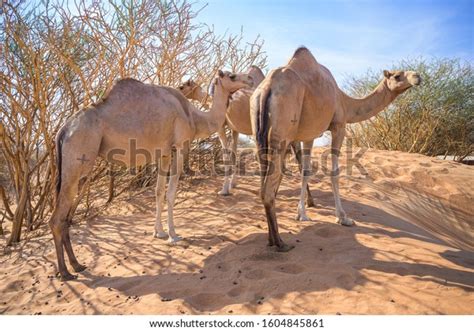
[[57, 58], [436, 118]]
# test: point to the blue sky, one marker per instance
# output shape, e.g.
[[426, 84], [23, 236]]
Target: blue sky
[[349, 37]]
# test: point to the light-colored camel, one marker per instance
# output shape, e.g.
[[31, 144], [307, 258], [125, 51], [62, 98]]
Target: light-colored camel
[[194, 91], [298, 102], [238, 120], [135, 124]]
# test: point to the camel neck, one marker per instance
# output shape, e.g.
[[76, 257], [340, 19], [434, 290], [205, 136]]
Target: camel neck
[[209, 122], [203, 97], [358, 110]]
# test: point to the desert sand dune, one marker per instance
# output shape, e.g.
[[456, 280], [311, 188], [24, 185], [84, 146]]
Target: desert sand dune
[[411, 252]]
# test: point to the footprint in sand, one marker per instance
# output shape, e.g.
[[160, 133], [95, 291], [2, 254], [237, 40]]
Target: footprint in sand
[[236, 291], [268, 256], [356, 187], [443, 171], [345, 280], [327, 232], [290, 268], [14, 286], [256, 274], [207, 301]]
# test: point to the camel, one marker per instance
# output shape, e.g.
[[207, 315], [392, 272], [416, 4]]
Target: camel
[[298, 102], [135, 124], [238, 120], [193, 91]]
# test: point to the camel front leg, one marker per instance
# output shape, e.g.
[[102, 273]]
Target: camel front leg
[[171, 194], [163, 168], [338, 132], [225, 154], [186, 166], [305, 175]]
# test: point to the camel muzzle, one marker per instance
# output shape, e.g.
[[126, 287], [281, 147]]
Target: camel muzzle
[[416, 80]]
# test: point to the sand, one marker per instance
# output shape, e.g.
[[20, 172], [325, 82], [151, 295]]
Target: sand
[[411, 252]]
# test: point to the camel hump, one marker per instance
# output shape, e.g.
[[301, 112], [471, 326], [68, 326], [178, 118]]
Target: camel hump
[[127, 81], [127, 84], [121, 87], [303, 54], [300, 50]]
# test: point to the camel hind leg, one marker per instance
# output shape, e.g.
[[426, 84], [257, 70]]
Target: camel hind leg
[[59, 226], [269, 188], [59, 222], [77, 156]]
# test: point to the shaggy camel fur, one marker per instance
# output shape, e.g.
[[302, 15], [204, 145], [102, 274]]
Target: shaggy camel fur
[[136, 124], [238, 120], [298, 102]]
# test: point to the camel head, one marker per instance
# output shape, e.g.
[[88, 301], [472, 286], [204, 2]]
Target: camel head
[[231, 82], [400, 81], [192, 90]]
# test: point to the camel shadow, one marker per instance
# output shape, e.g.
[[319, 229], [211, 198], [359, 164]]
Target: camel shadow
[[326, 256], [239, 272]]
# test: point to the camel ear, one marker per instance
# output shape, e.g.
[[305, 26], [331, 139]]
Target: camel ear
[[387, 74], [221, 73]]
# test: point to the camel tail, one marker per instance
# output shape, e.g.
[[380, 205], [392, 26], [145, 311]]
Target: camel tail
[[263, 122], [59, 159]]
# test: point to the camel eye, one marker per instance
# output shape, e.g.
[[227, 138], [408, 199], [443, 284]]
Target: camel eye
[[397, 77], [232, 76], [181, 87]]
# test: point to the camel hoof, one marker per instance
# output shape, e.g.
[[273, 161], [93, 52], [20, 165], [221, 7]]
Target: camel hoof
[[345, 221], [285, 248], [79, 267], [224, 193], [303, 218], [160, 235], [66, 276], [174, 240]]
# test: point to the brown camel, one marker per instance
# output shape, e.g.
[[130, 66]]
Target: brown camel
[[238, 120], [135, 124], [298, 102]]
